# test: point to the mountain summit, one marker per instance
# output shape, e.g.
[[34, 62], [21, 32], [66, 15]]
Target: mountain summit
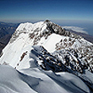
[[48, 49]]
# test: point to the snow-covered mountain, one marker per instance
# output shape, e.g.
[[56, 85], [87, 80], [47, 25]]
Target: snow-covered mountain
[[45, 55]]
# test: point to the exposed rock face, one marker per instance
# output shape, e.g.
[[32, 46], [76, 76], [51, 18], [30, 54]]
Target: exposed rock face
[[1, 47], [54, 28]]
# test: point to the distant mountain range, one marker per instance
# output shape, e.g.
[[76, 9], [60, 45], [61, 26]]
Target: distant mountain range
[[6, 30]]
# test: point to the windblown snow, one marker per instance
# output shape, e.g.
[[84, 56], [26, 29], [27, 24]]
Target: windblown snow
[[45, 58]]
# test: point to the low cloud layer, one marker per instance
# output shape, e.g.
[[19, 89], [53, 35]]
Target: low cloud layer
[[76, 29]]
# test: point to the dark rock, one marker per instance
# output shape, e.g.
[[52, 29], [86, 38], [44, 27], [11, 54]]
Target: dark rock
[[47, 21]]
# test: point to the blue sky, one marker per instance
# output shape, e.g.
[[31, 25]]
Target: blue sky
[[57, 10]]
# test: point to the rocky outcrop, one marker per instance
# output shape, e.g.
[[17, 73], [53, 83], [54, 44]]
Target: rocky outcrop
[[54, 28]]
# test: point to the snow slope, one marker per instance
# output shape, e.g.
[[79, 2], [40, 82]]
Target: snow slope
[[34, 80], [41, 55]]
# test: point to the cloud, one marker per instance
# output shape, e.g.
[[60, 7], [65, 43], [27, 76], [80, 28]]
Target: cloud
[[76, 29]]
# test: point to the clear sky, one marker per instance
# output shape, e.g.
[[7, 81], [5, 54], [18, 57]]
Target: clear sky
[[34, 10]]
